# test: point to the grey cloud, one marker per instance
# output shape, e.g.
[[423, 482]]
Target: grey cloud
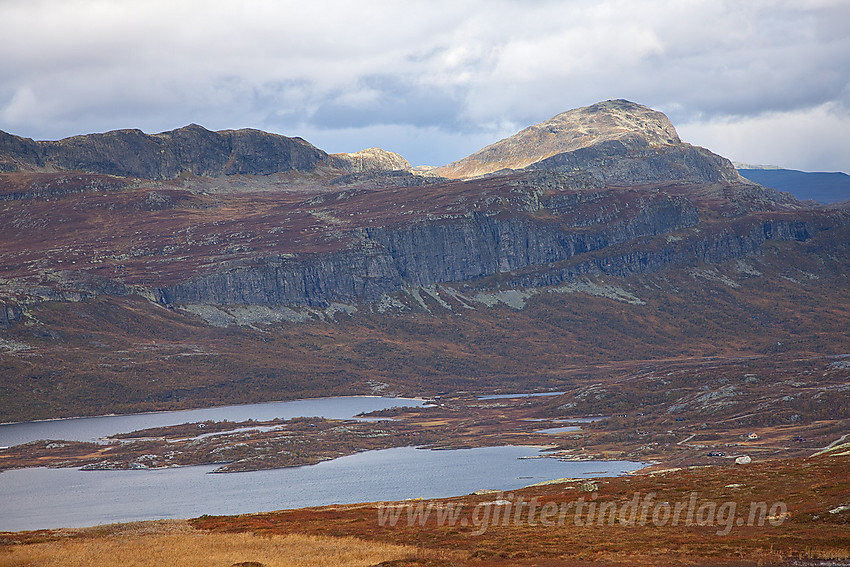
[[390, 100]]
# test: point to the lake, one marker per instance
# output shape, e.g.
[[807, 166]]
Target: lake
[[53, 498], [95, 428], [43, 498]]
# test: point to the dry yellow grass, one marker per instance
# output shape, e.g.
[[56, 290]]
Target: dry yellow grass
[[148, 545]]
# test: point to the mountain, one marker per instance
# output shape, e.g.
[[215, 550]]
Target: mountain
[[144, 272], [618, 141], [823, 187], [191, 150]]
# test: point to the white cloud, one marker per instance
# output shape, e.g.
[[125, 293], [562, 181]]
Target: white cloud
[[22, 105], [815, 139], [476, 70]]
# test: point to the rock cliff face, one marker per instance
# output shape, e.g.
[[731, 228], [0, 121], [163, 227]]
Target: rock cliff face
[[386, 260], [191, 149], [16, 152], [618, 141], [712, 246], [476, 246]]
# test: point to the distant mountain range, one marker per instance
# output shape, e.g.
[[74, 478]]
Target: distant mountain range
[[823, 187]]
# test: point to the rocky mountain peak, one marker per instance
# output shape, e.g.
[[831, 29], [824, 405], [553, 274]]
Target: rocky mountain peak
[[616, 127]]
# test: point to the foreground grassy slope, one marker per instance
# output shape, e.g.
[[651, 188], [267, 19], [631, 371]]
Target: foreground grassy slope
[[176, 543]]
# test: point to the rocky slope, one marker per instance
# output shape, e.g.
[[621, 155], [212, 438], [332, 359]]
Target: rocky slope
[[618, 141], [585, 232]]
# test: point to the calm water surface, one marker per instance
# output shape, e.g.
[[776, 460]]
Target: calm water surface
[[555, 430], [510, 396], [52, 498], [94, 428]]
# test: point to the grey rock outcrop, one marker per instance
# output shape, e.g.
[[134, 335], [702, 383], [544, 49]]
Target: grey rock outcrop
[[16, 152], [708, 247], [9, 314]]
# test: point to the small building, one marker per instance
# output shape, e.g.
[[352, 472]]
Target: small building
[[752, 437]]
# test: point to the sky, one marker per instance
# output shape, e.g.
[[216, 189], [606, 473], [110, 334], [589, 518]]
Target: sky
[[757, 81]]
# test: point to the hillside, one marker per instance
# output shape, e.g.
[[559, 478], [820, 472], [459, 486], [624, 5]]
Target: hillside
[[241, 266]]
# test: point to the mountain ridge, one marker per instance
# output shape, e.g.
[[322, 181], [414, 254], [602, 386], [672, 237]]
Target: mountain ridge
[[191, 149], [218, 286], [609, 139], [364, 225]]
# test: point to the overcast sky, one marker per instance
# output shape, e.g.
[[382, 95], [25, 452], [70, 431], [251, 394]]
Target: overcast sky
[[756, 81]]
